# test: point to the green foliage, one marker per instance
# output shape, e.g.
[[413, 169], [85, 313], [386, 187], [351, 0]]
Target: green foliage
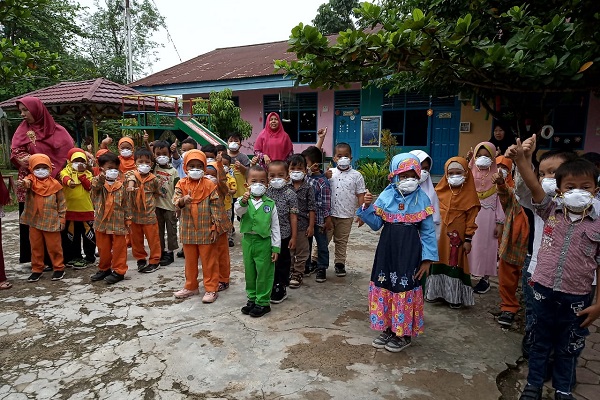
[[224, 115], [375, 175], [388, 143], [335, 16]]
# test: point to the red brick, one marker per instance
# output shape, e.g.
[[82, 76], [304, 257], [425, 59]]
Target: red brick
[[585, 376]]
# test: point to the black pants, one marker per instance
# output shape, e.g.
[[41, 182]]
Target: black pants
[[25, 244], [283, 264], [72, 236]]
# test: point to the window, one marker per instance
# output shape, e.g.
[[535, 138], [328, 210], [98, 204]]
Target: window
[[405, 115], [298, 113]]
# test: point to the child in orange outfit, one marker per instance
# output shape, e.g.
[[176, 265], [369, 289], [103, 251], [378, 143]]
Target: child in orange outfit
[[127, 161], [113, 217], [145, 187], [200, 225], [45, 211]]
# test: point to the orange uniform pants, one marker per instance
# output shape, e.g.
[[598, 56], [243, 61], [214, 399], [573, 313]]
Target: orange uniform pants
[[138, 231], [222, 250], [52, 242], [508, 281], [113, 252], [209, 256]]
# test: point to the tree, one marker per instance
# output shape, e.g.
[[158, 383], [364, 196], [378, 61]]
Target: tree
[[335, 16], [490, 49], [224, 115]]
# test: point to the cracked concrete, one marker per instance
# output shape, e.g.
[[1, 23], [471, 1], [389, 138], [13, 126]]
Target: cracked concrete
[[77, 340]]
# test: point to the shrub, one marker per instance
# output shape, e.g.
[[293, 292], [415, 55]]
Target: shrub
[[375, 175]]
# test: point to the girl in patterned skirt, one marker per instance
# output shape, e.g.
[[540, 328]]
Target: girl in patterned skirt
[[405, 251]]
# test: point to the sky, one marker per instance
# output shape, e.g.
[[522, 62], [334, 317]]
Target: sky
[[200, 26]]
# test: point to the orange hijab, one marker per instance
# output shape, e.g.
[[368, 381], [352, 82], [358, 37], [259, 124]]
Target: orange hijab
[[197, 190], [455, 201], [42, 187], [507, 162], [127, 164]]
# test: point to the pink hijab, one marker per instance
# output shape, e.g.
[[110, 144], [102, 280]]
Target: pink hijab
[[274, 143], [483, 178], [49, 137]]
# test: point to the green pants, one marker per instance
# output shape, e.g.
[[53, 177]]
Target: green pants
[[259, 269]]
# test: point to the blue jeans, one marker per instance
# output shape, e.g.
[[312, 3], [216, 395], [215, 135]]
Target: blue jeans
[[320, 236], [527, 295], [556, 327]]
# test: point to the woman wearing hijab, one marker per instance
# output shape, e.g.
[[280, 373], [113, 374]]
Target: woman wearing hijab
[[427, 186], [273, 143], [502, 137], [450, 278], [38, 133]]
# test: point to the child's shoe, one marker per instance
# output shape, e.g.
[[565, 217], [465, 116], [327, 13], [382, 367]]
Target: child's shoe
[[210, 297], [531, 393], [141, 264], [278, 294], [180, 254], [113, 278], [397, 344], [223, 286], [148, 268], [34, 277], [100, 275], [259, 311], [248, 307], [185, 293], [380, 341], [506, 318], [48, 268], [321, 275], [167, 258], [340, 269], [311, 266], [58, 275], [231, 244], [295, 281], [482, 287], [563, 396]]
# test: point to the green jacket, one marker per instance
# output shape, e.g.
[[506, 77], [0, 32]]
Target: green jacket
[[259, 221]]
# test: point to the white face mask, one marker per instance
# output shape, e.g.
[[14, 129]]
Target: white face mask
[[233, 146], [41, 173], [424, 176], [343, 163], [195, 174], [226, 169], [210, 160], [257, 189], [213, 179], [408, 185], [297, 175], [483, 162], [162, 160], [277, 183], [112, 174], [577, 200], [456, 180], [504, 173], [76, 165], [549, 186], [144, 168], [126, 153]]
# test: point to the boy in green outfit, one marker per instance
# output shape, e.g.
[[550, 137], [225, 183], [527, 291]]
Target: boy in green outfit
[[261, 242]]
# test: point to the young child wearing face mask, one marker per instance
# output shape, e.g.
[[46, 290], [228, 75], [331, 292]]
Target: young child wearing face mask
[[404, 254], [450, 278], [427, 185], [144, 188], [566, 267], [261, 243], [112, 219], [200, 225], [45, 212], [239, 164], [232, 190], [77, 184], [177, 159], [165, 209], [483, 258], [286, 202], [126, 158]]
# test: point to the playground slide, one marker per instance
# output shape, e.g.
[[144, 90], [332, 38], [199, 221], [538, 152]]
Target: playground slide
[[198, 132]]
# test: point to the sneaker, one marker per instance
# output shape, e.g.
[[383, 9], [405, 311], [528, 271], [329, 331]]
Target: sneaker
[[310, 267], [248, 307], [340, 269], [48, 268], [77, 264], [482, 287], [321, 275], [148, 268], [180, 254], [185, 293], [141, 264], [531, 393], [397, 344], [259, 311], [210, 297], [279, 294], [58, 275], [380, 341], [34, 277], [296, 281], [100, 275], [167, 258], [436, 300], [563, 396], [506, 318], [113, 278], [231, 244], [223, 286], [455, 306]]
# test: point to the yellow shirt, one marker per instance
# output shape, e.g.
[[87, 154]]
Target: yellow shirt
[[232, 185]]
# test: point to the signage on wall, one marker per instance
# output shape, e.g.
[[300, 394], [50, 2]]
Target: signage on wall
[[348, 113], [445, 115], [370, 132]]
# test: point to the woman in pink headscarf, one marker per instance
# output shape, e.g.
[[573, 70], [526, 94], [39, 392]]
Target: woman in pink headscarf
[[273, 143], [37, 133]]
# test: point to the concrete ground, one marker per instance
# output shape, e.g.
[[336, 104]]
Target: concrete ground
[[78, 340]]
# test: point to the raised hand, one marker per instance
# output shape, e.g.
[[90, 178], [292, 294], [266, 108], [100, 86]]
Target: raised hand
[[498, 179], [368, 198], [322, 133]]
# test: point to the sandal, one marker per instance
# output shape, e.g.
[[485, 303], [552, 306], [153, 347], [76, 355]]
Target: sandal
[[79, 264], [5, 285]]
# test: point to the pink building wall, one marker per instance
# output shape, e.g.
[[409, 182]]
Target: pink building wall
[[592, 132]]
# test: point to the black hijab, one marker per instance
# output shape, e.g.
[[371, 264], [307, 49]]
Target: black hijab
[[508, 140]]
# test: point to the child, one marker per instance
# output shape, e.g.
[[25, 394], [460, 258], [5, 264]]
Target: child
[[232, 186], [177, 160], [514, 243], [240, 163], [77, 182], [145, 187], [210, 151], [113, 218], [347, 192], [261, 242], [306, 217], [406, 248], [165, 209], [450, 278], [45, 211], [427, 185], [323, 224], [562, 281], [286, 202], [490, 219], [127, 161], [200, 225]]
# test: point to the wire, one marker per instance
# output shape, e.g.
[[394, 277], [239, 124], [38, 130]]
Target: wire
[[169, 37]]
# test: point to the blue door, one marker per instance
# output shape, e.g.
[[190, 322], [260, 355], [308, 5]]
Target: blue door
[[444, 138], [347, 129]]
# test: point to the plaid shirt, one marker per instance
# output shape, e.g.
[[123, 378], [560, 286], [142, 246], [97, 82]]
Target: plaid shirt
[[306, 204], [210, 217], [117, 222], [322, 190], [152, 189], [515, 236], [53, 213]]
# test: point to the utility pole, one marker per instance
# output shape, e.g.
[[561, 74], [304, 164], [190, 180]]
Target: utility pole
[[128, 47]]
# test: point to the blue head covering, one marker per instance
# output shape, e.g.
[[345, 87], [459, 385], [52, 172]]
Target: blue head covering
[[392, 206]]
